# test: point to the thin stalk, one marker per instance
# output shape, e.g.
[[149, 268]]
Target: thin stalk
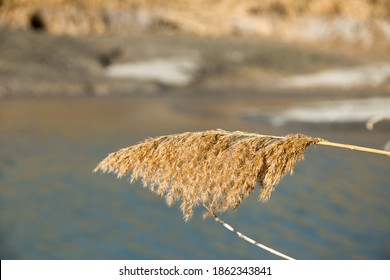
[[332, 144], [353, 147], [246, 238]]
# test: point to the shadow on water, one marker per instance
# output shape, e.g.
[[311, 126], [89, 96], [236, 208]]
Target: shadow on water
[[53, 207]]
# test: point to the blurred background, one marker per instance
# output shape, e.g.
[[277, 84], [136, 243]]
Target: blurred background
[[81, 79]]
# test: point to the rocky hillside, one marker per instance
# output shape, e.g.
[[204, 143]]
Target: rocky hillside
[[364, 23]]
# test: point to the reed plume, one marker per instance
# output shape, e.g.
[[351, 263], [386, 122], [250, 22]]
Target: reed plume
[[215, 168]]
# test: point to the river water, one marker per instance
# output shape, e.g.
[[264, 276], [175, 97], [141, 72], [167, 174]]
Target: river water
[[335, 206]]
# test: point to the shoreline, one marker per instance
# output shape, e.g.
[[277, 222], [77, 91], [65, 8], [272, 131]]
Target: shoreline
[[39, 65]]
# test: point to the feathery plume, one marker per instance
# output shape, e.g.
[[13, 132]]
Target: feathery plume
[[215, 168]]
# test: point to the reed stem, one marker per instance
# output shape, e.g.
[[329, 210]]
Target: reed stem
[[246, 238], [355, 148], [332, 144]]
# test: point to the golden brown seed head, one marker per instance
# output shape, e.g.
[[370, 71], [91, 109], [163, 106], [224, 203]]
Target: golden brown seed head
[[216, 168]]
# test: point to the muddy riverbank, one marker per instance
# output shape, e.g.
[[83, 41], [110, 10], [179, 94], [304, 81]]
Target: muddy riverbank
[[35, 64]]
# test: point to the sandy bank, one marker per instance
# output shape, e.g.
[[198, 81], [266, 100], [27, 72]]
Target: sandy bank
[[34, 64], [362, 23]]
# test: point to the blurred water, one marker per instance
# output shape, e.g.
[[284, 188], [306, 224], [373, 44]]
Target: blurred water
[[52, 206]]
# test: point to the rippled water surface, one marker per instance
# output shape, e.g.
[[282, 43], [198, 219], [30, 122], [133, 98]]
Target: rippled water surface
[[335, 206]]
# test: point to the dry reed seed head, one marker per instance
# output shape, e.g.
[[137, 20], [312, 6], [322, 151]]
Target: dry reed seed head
[[215, 168], [280, 158]]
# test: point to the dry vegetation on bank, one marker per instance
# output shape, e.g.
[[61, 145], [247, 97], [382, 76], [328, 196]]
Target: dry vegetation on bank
[[366, 22]]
